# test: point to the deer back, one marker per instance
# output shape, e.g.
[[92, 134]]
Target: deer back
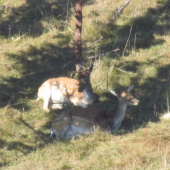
[[78, 121]]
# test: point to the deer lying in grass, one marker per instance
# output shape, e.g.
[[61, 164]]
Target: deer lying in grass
[[72, 123], [62, 90]]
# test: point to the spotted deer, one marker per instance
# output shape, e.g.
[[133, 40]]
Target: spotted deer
[[71, 123], [62, 90]]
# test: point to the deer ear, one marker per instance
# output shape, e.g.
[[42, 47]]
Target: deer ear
[[113, 92], [78, 68], [91, 68], [130, 88]]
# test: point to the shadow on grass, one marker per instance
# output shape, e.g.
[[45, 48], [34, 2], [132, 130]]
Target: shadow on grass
[[140, 30], [28, 17], [36, 66]]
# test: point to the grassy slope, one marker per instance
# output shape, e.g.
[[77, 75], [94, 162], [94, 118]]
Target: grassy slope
[[45, 50]]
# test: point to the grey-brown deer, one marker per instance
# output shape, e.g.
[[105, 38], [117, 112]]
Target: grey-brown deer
[[62, 90], [71, 123]]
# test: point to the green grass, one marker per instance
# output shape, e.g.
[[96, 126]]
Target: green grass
[[37, 43]]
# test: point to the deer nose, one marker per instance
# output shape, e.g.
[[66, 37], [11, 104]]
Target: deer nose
[[136, 101]]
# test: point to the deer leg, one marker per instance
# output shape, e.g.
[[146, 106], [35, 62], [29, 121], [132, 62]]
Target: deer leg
[[37, 99], [46, 101], [68, 133], [51, 133], [115, 127]]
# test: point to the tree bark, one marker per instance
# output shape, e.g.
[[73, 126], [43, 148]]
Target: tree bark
[[78, 43]]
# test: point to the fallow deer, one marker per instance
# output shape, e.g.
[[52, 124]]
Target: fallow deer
[[71, 123], [63, 90]]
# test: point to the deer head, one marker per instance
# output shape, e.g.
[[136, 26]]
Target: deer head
[[84, 76]]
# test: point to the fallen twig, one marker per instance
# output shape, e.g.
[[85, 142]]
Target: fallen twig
[[21, 133], [127, 41], [95, 41], [121, 70], [71, 30], [66, 64], [20, 37], [119, 11], [124, 71]]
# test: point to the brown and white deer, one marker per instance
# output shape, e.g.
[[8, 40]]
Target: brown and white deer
[[63, 90], [71, 123]]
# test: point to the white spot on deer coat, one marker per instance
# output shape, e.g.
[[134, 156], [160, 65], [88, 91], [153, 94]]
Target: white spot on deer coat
[[57, 96]]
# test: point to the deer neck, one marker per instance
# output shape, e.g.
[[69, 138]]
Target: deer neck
[[88, 87], [119, 115], [88, 92], [121, 109]]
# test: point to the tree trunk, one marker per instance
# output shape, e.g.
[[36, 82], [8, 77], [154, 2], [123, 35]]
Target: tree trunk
[[78, 44]]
